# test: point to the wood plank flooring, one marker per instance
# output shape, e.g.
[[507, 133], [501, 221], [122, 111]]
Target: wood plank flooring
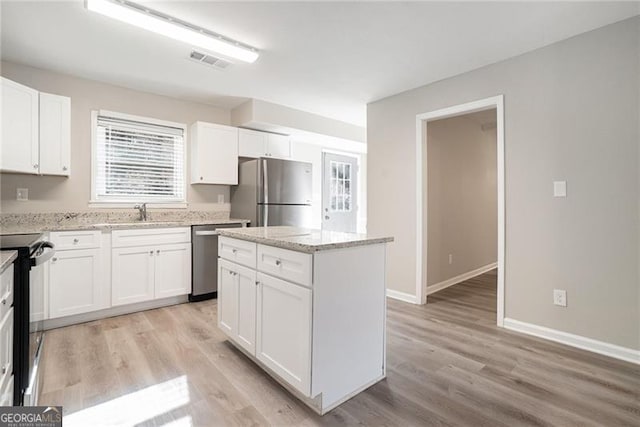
[[448, 364]]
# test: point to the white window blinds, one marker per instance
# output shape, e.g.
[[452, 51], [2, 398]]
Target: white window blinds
[[138, 161]]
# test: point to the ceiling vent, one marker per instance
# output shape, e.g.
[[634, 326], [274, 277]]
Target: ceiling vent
[[211, 60]]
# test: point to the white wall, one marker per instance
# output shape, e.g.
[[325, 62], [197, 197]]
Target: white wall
[[571, 113], [59, 194], [462, 212]]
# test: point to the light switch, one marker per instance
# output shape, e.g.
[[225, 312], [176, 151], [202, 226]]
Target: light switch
[[22, 194], [559, 188]]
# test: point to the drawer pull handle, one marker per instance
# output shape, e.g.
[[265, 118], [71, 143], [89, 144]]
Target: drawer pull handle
[[4, 301], [278, 262], [54, 259], [158, 252], [151, 253], [257, 283], [75, 241]]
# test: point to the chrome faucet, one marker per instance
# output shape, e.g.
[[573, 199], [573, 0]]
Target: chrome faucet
[[143, 211]]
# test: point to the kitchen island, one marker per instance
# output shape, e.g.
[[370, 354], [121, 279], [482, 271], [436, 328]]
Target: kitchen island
[[308, 306]]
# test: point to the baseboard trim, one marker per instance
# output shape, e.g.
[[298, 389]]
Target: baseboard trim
[[460, 278], [61, 322], [402, 296], [578, 341]]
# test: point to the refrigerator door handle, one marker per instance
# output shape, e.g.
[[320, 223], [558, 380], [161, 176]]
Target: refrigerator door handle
[[265, 216], [265, 182]]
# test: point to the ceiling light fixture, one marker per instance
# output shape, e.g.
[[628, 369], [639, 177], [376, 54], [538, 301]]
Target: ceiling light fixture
[[174, 28]]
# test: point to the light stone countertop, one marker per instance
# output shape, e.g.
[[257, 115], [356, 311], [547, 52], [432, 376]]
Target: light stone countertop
[[6, 259], [69, 226], [303, 239]]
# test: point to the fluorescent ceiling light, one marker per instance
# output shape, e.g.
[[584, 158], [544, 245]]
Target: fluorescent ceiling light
[[168, 26]]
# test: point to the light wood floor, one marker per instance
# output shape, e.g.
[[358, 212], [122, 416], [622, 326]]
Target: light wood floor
[[448, 364]]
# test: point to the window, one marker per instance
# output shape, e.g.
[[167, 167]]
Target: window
[[340, 186], [136, 159]]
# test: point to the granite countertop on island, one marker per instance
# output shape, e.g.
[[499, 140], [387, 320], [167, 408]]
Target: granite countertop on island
[[302, 239], [6, 259]]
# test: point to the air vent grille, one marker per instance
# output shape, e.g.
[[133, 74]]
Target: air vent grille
[[210, 60]]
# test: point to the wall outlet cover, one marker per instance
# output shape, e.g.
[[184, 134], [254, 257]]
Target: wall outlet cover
[[22, 194], [560, 297], [220, 198], [559, 188]]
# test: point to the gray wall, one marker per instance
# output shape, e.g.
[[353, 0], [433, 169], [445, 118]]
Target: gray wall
[[462, 213], [56, 194], [571, 113]]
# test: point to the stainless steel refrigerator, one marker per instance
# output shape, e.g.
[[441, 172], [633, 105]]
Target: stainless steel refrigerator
[[273, 192]]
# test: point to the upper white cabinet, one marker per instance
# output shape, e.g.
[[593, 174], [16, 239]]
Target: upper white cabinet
[[253, 143], [214, 154], [20, 150], [55, 134], [36, 131]]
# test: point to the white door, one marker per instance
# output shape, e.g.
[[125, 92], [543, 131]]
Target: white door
[[216, 155], [251, 143], [283, 334], [75, 283], [246, 282], [339, 193], [55, 134], [172, 270], [227, 298], [278, 146], [132, 275], [20, 150]]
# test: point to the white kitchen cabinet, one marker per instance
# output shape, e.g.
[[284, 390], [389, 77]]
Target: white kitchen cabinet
[[20, 144], [237, 303], [55, 134], [214, 154], [149, 264], [172, 270], [6, 394], [283, 338], [253, 143], [132, 274], [6, 349], [76, 283]]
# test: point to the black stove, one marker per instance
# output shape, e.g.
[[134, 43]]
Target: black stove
[[28, 334]]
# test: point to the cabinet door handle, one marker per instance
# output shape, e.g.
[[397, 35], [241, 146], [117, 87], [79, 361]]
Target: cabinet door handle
[[158, 252], [4, 301], [4, 370], [64, 168], [257, 282], [235, 251], [151, 253], [35, 166], [75, 241], [201, 178], [54, 259], [278, 262]]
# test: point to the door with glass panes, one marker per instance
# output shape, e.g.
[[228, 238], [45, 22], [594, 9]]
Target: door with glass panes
[[339, 193]]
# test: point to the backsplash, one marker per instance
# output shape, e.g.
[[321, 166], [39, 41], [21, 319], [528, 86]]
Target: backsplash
[[95, 217]]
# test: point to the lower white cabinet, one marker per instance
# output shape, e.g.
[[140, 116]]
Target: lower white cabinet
[[237, 303], [6, 394], [143, 273], [75, 283], [6, 350], [283, 336], [172, 270]]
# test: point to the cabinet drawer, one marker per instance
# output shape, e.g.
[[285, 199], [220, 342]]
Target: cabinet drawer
[[289, 265], [6, 291], [6, 348], [86, 239], [236, 250], [150, 236]]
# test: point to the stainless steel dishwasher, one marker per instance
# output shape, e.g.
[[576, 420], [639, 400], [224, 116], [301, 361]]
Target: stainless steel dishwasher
[[204, 260]]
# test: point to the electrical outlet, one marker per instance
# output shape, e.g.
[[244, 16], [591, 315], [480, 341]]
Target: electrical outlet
[[559, 188], [220, 199], [450, 259], [22, 194], [560, 297]]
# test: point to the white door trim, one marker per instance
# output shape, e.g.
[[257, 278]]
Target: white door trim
[[496, 102]]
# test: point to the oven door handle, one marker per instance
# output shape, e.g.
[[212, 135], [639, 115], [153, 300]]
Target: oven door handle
[[44, 252]]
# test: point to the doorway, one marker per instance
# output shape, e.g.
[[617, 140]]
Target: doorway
[[339, 192], [422, 247]]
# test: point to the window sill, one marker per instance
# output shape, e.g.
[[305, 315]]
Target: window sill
[[130, 205]]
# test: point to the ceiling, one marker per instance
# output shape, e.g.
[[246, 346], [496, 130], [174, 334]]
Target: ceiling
[[322, 57]]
